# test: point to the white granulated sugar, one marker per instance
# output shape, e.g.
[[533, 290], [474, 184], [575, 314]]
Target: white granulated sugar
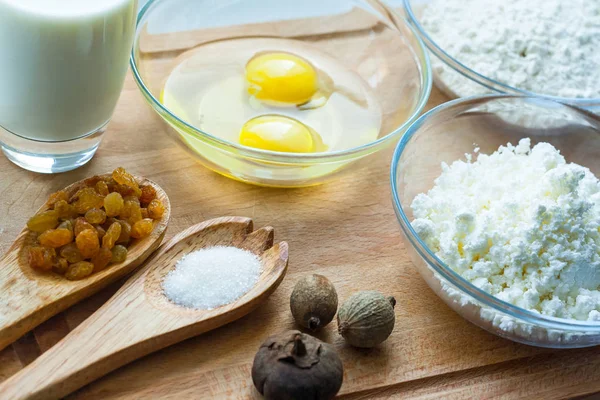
[[212, 277], [544, 46], [521, 224]]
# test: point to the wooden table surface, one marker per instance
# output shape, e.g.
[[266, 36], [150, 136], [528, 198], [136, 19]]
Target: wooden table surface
[[345, 230]]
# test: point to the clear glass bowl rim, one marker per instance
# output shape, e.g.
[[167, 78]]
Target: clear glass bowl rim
[[424, 66], [476, 76], [436, 263]]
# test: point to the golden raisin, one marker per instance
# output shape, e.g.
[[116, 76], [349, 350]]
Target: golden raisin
[[102, 188], [100, 231], [148, 194], [156, 209], [126, 211], [123, 177], [132, 198], [57, 196], [41, 258], [60, 266], [88, 243], [85, 228], [141, 229], [64, 210], [113, 204], [86, 199], [56, 237], [95, 216], [43, 221], [36, 257], [101, 259], [132, 212], [81, 225], [112, 235], [92, 181], [66, 225], [109, 221], [79, 270], [125, 231], [119, 254], [71, 253], [124, 190], [110, 183]]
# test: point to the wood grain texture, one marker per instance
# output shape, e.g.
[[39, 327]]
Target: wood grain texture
[[345, 230], [139, 319], [354, 20], [29, 297]]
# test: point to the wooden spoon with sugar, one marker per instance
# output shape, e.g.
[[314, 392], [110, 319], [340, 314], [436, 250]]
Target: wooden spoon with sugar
[[139, 319]]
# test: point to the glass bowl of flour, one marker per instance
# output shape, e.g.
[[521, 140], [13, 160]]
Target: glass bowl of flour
[[498, 199], [546, 48]]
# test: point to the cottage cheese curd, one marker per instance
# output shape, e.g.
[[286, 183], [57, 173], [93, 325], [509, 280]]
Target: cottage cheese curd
[[521, 224]]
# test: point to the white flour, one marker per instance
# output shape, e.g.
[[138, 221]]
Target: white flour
[[550, 47]]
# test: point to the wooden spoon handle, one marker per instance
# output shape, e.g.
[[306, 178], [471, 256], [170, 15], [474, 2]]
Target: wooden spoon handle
[[23, 305], [125, 328], [110, 338]]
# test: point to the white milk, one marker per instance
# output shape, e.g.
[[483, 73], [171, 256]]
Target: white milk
[[62, 64]]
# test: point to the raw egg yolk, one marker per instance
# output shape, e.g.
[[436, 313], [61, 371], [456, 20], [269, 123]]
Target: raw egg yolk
[[281, 78], [277, 133]]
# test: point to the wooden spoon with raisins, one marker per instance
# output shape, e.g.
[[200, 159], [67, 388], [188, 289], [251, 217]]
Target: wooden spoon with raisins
[[83, 238]]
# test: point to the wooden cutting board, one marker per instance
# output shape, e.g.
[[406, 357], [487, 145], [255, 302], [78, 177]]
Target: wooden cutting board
[[345, 230]]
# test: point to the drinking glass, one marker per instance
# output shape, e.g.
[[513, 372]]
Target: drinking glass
[[62, 68]]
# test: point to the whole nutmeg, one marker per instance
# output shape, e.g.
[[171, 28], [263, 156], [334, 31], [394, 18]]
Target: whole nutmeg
[[366, 319], [293, 365], [313, 302]]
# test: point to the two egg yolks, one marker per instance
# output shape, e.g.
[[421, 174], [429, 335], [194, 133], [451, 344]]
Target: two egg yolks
[[279, 79]]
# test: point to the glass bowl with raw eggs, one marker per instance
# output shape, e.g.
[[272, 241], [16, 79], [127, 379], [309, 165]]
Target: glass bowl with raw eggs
[[280, 93]]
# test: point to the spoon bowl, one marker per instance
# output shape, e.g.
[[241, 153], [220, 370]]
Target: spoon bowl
[[139, 319], [29, 297]]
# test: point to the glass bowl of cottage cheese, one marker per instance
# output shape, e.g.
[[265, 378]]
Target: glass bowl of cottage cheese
[[545, 48], [498, 199]]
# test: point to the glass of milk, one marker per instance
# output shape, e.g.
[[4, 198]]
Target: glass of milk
[[62, 68]]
